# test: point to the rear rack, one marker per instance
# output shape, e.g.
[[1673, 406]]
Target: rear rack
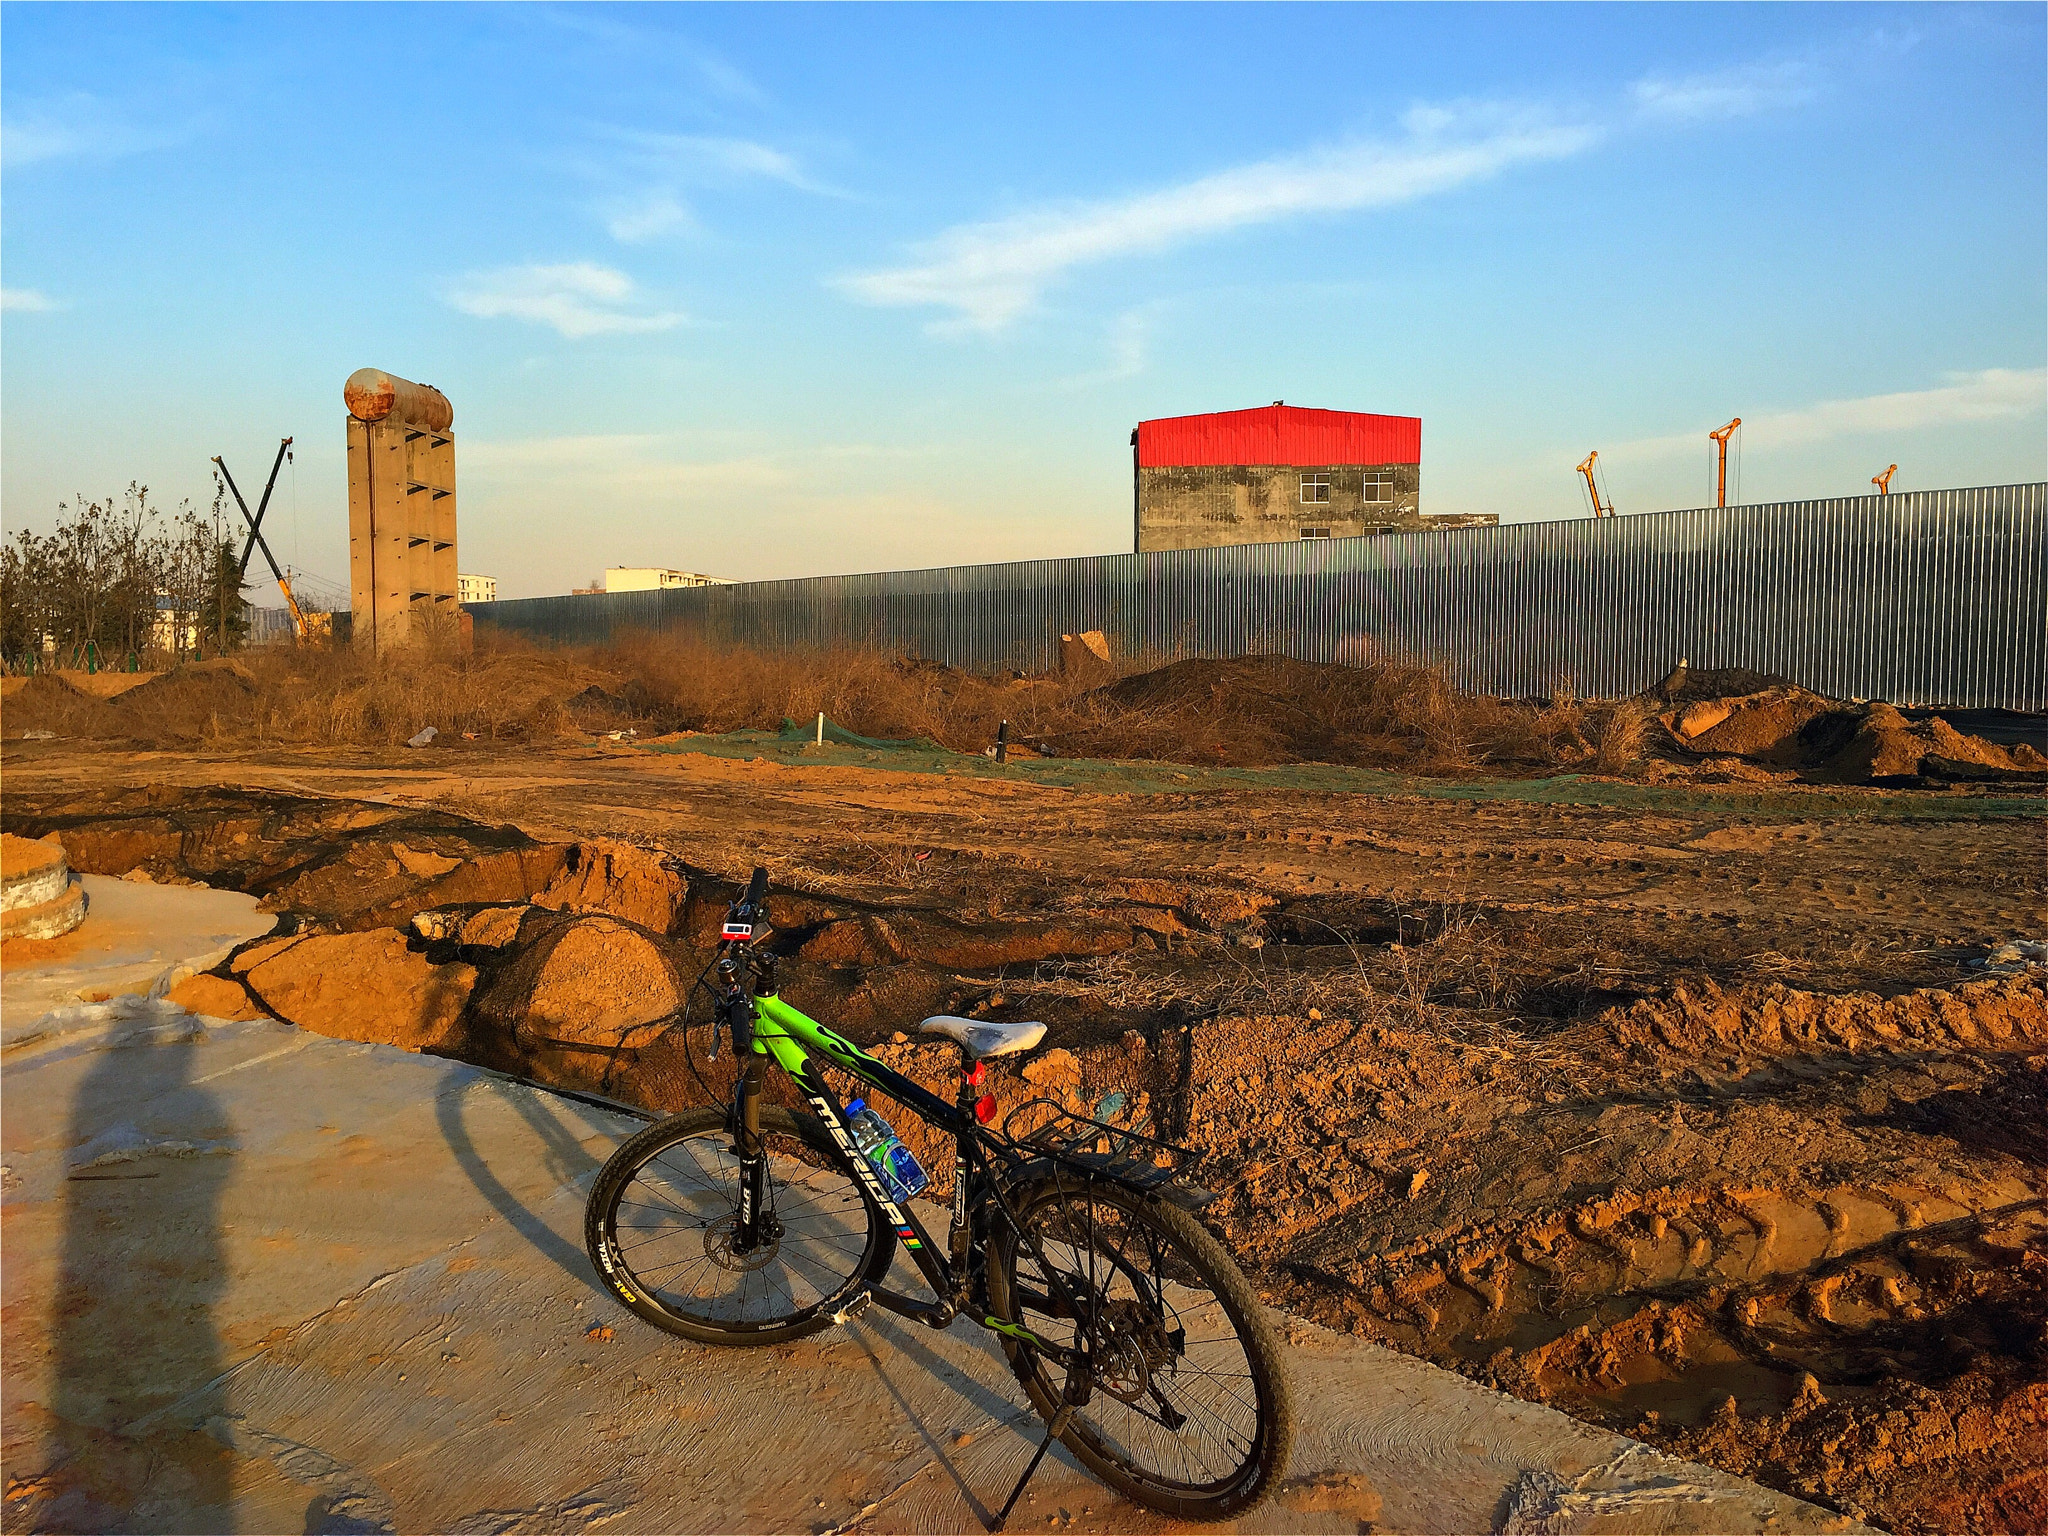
[[1116, 1151]]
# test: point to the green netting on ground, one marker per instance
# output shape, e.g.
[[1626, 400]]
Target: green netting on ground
[[791, 731]]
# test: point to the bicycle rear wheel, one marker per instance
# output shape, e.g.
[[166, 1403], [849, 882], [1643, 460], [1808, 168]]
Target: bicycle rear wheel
[[1188, 1410], [662, 1214]]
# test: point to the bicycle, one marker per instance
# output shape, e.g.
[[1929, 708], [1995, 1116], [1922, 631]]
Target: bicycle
[[1135, 1336]]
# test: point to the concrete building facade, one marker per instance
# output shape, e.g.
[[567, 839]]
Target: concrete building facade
[[1277, 473], [401, 511], [655, 578], [476, 589]]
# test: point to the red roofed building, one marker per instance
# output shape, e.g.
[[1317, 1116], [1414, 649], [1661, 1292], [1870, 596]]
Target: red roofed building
[[1279, 472]]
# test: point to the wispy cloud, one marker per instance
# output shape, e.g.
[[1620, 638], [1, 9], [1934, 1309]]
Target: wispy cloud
[[578, 298], [1126, 348], [27, 300], [78, 125], [1989, 394], [654, 171], [1740, 91], [711, 70], [990, 274]]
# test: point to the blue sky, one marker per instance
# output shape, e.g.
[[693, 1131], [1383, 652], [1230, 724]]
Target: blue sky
[[774, 290]]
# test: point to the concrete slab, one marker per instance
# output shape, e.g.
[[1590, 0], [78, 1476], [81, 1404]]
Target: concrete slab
[[259, 1280], [135, 938]]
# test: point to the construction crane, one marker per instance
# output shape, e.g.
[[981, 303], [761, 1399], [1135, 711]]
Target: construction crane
[[1586, 469], [257, 541], [1883, 482], [1720, 440]]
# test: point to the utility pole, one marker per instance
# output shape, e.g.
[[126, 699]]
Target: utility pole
[[1883, 482], [1720, 440]]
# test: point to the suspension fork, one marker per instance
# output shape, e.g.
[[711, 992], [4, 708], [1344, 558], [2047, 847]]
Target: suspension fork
[[751, 1231]]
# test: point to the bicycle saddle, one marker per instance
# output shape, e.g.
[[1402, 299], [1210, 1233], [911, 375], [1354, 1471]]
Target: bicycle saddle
[[980, 1038]]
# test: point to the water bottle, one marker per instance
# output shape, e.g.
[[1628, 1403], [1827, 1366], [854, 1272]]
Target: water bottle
[[893, 1163]]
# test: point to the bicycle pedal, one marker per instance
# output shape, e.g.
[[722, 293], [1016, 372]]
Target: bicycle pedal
[[855, 1305]]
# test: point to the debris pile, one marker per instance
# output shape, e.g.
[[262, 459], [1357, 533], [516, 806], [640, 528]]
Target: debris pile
[[1830, 741]]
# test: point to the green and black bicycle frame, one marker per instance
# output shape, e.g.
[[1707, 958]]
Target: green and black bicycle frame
[[763, 1028]]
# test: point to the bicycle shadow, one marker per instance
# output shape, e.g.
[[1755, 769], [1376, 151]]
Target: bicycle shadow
[[1000, 1410], [564, 1158]]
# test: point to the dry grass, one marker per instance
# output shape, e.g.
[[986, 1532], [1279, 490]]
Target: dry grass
[[1247, 711], [1463, 979]]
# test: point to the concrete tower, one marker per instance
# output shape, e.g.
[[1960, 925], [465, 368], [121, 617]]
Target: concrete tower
[[401, 511]]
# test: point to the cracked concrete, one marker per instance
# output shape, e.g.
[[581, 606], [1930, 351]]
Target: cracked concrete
[[339, 1288]]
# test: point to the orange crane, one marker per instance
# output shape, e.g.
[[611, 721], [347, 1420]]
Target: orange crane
[[257, 541], [1720, 440], [1586, 469], [1883, 482]]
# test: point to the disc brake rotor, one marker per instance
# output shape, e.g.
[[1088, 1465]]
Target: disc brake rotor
[[718, 1240]]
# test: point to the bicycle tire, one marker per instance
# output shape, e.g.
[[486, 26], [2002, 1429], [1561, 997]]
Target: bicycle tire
[[1098, 1443], [814, 1288]]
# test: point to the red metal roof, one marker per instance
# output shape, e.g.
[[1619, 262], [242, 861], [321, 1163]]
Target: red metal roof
[[1280, 434]]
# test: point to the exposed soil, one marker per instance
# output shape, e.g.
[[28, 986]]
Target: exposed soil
[[1682, 1108]]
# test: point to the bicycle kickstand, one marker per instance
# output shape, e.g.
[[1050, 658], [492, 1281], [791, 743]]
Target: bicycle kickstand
[[1054, 1426]]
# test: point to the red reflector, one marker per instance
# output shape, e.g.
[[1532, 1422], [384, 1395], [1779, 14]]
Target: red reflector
[[974, 1075], [985, 1108]]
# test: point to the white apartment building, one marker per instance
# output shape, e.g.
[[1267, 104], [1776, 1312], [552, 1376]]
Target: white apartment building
[[476, 589], [652, 578]]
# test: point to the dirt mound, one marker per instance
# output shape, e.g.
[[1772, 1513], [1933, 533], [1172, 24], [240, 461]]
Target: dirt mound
[[1887, 745], [193, 702], [1833, 742], [1702, 1021], [362, 986], [1768, 725], [1255, 710], [589, 982], [48, 703], [1685, 684], [648, 889]]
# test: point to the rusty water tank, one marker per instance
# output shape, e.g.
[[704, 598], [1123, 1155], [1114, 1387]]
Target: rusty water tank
[[372, 395]]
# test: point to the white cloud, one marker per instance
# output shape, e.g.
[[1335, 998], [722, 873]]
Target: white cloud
[[1126, 348], [1991, 394], [643, 216], [655, 169], [990, 274], [577, 298], [651, 45], [27, 300], [78, 124], [1741, 91]]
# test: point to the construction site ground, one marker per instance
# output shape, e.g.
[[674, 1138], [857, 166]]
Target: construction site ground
[[259, 1280], [1691, 1110]]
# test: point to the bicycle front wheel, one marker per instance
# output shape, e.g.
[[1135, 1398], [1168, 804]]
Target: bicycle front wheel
[[664, 1211], [1187, 1410]]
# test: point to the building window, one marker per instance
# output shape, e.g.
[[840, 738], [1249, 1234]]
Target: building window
[[1315, 533], [1379, 486], [1315, 489]]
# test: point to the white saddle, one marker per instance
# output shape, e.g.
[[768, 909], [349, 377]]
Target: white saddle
[[980, 1038]]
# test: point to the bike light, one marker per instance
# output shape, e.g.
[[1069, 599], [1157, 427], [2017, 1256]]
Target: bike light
[[741, 931], [985, 1108], [974, 1075]]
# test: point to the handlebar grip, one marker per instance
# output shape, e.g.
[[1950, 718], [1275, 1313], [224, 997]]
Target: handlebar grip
[[757, 888]]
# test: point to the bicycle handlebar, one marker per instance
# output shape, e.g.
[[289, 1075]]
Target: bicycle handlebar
[[757, 890]]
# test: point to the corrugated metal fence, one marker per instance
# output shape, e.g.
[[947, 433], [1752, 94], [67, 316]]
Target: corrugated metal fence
[[1924, 597]]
